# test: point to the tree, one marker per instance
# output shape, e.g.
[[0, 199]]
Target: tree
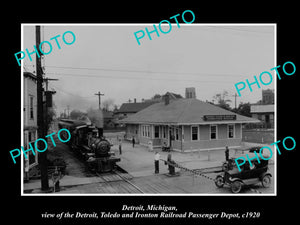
[[222, 100], [116, 108], [244, 109], [156, 96], [108, 104]]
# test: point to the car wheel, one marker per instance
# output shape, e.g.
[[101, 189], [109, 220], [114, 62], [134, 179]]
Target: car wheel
[[219, 181], [236, 186], [266, 181]]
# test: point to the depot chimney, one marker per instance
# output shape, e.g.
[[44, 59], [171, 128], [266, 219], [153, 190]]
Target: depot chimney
[[190, 92]]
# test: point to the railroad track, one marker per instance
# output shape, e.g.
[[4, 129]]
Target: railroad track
[[116, 176]]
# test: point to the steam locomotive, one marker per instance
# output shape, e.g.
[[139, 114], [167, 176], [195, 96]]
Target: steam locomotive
[[88, 141]]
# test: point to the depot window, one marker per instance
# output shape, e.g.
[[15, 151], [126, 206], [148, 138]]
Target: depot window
[[177, 134], [194, 133], [164, 131], [230, 131], [213, 132], [146, 131], [156, 131]]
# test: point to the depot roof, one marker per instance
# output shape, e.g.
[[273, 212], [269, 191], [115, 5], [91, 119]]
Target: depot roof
[[185, 111]]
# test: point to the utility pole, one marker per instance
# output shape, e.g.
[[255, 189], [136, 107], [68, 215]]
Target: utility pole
[[40, 116], [235, 96], [99, 95]]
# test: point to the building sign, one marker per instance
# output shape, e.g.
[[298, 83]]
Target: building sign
[[219, 117]]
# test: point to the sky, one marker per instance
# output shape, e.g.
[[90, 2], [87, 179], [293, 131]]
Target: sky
[[107, 58]]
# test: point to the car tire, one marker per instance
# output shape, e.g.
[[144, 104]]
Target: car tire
[[219, 181], [236, 186], [266, 181]]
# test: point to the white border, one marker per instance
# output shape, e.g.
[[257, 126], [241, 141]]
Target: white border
[[146, 24]]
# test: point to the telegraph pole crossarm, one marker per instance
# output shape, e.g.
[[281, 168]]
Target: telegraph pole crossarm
[[99, 96], [46, 79]]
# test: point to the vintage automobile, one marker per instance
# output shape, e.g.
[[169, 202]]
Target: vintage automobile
[[257, 173]]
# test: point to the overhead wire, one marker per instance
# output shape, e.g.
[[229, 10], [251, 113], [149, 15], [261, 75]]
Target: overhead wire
[[133, 78], [234, 28], [233, 31], [143, 71]]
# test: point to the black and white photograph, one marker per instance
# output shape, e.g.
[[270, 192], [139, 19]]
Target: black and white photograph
[[150, 116], [137, 114]]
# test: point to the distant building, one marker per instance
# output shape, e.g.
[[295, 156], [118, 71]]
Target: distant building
[[264, 109], [267, 97], [29, 119], [108, 119], [264, 113], [128, 109]]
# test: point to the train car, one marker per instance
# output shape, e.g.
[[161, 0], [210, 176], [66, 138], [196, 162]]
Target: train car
[[87, 141]]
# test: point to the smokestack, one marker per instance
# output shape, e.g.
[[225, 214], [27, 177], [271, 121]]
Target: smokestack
[[190, 92], [167, 99]]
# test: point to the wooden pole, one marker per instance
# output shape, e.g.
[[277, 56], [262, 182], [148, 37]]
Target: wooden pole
[[40, 115], [99, 96]]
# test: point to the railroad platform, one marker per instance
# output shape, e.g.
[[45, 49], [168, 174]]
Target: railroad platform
[[139, 161]]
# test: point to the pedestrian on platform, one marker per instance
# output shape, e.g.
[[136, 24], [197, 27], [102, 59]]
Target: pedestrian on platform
[[156, 162], [227, 153], [120, 146], [133, 141]]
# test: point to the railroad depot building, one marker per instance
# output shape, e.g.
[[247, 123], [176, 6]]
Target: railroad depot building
[[186, 124]]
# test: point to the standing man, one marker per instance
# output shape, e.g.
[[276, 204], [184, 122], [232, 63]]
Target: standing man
[[226, 153], [133, 141], [156, 162], [171, 168], [120, 146]]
